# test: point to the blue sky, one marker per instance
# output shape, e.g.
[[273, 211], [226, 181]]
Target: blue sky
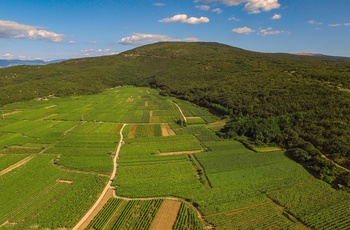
[[56, 29]]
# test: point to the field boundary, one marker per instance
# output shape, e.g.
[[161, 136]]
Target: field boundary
[[16, 165]]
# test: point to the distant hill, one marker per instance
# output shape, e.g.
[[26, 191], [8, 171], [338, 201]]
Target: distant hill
[[15, 62], [324, 57], [297, 102]]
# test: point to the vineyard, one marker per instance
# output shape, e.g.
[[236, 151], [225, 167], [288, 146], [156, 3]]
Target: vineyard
[[56, 157]]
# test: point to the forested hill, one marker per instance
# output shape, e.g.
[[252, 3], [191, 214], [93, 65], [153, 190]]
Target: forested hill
[[300, 103]]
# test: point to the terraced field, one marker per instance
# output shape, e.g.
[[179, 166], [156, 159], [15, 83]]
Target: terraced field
[[56, 158]]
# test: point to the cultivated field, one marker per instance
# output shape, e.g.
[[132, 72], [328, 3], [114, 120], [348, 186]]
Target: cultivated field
[[56, 158]]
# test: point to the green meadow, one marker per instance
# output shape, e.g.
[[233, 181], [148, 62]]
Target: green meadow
[[67, 145]]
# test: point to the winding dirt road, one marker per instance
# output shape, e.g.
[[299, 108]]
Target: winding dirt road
[[88, 216], [180, 111]]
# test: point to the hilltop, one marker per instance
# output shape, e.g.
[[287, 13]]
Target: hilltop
[[297, 102]]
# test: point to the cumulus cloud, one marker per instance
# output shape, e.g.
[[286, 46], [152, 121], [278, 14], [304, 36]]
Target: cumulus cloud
[[243, 30], [313, 22], [203, 7], [141, 39], [234, 19], [14, 30], [253, 6], [218, 10], [270, 31], [183, 18], [276, 16]]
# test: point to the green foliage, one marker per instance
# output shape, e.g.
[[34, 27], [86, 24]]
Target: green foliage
[[187, 219]]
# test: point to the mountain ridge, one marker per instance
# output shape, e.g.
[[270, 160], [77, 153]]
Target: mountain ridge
[[4, 63]]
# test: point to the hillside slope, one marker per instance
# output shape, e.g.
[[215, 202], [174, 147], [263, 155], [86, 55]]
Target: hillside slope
[[297, 102]]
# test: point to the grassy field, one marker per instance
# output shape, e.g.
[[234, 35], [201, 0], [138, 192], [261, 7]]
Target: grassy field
[[56, 157]]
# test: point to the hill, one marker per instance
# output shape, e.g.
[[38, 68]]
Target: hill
[[296, 102]]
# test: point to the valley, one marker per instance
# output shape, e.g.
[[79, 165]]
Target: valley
[[68, 145]]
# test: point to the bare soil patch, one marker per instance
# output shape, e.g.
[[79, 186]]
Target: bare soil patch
[[167, 131], [270, 150], [181, 152], [47, 117], [64, 181], [10, 113], [166, 216], [51, 106], [130, 99], [132, 131], [8, 223]]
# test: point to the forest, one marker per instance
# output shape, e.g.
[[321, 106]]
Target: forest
[[298, 103]]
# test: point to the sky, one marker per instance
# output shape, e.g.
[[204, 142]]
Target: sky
[[65, 29]]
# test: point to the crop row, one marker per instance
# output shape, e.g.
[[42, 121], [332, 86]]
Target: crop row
[[187, 219], [8, 160], [105, 214], [137, 215], [42, 199], [202, 133]]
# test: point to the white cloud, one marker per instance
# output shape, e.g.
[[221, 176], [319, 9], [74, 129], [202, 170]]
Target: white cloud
[[72, 42], [270, 31], [243, 30], [159, 4], [7, 56], [218, 10], [234, 19], [95, 51], [183, 18], [253, 6], [340, 24], [313, 22], [11, 56], [10, 29], [141, 39], [203, 7], [276, 16]]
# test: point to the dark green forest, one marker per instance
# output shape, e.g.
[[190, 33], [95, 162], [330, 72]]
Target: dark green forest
[[298, 103]]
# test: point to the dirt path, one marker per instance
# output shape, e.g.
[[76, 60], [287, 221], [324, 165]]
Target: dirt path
[[339, 166], [105, 193], [16, 165], [181, 152], [180, 111], [47, 117]]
